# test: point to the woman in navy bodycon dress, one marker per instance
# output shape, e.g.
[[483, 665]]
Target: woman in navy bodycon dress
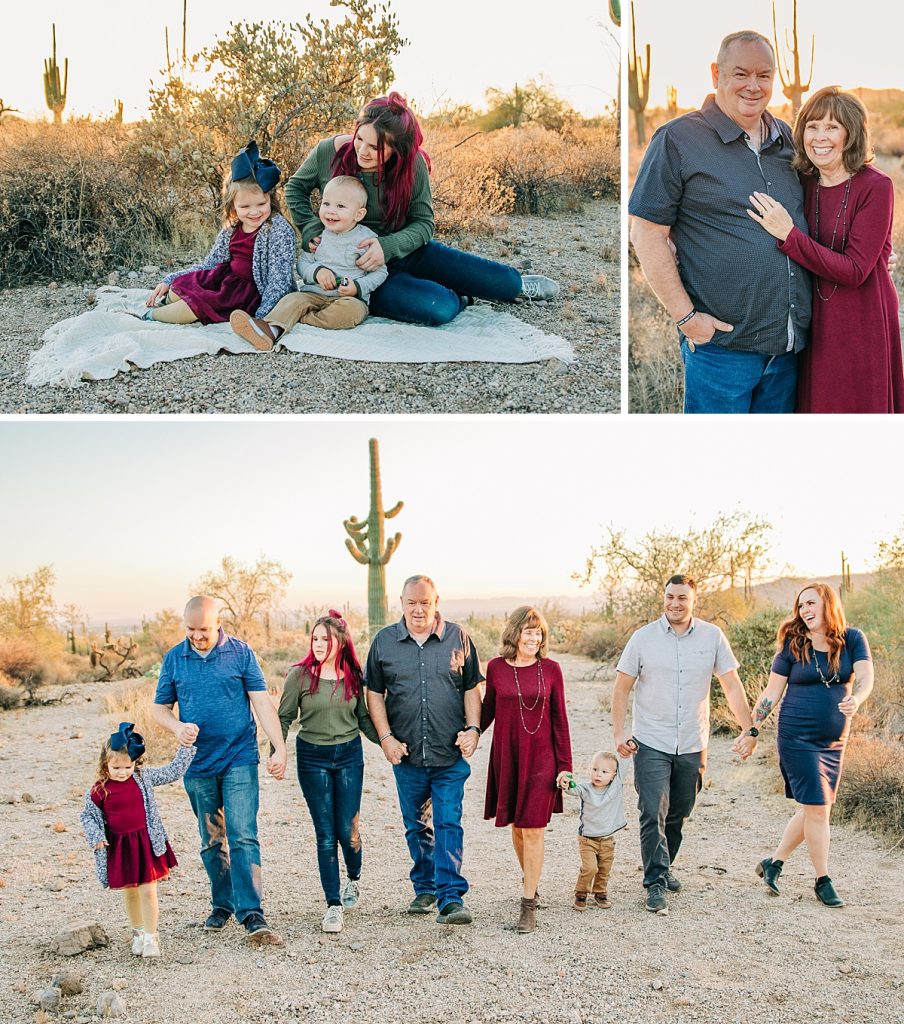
[[822, 673]]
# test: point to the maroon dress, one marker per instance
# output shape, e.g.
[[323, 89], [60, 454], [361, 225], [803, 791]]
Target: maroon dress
[[853, 362], [213, 294], [531, 743], [131, 860]]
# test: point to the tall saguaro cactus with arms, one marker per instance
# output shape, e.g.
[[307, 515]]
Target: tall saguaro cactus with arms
[[638, 84], [367, 544], [54, 91]]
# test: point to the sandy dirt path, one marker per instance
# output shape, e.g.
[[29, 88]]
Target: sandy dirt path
[[726, 953]]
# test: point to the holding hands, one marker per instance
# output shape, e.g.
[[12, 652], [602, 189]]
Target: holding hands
[[276, 763], [744, 745], [393, 750], [466, 741], [186, 733], [771, 215], [564, 780], [626, 747], [848, 707]]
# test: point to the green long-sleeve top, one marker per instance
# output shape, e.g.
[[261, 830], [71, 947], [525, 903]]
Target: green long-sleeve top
[[314, 173], [326, 717]]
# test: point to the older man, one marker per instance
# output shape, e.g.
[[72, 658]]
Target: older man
[[741, 307], [672, 662], [422, 675], [216, 681]]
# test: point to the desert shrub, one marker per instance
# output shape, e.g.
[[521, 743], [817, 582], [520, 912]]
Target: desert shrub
[[655, 370], [486, 632], [599, 640], [10, 696], [133, 704], [21, 662], [753, 641], [871, 794]]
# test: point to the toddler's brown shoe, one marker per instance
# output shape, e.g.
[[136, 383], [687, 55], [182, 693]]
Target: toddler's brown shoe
[[580, 901], [256, 332], [601, 900]]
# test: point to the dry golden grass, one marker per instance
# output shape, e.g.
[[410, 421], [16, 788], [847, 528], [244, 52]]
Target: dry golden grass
[[871, 794], [132, 703]]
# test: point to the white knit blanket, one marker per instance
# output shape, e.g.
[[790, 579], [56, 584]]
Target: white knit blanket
[[104, 341]]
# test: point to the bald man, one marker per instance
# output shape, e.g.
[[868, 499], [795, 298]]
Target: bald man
[[216, 681]]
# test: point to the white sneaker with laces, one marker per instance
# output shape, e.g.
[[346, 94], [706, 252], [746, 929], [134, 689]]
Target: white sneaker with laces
[[151, 945], [332, 920], [137, 941], [535, 286], [350, 894]]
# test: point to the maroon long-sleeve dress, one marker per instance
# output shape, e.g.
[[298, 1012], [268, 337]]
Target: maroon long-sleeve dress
[[853, 363], [531, 743]]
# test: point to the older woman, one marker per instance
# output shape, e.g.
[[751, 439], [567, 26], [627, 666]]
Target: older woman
[[525, 697], [824, 671], [853, 363]]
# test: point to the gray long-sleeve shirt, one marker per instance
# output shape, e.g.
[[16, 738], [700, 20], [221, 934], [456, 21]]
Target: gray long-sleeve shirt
[[339, 253], [602, 807]]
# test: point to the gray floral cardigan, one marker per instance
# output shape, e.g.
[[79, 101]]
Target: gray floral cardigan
[[92, 817], [272, 263]]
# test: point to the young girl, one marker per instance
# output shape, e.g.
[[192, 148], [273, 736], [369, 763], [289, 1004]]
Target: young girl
[[123, 826], [250, 266], [325, 690]]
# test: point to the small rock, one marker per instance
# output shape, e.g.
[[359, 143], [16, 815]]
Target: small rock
[[132, 275], [356, 947], [55, 885], [27, 798], [112, 277], [53, 286], [90, 299], [656, 985], [118, 984], [79, 936], [109, 1004], [68, 982], [411, 391], [50, 998], [845, 968], [150, 269], [683, 1001], [69, 1015]]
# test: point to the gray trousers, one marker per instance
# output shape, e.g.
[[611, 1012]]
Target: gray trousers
[[667, 786]]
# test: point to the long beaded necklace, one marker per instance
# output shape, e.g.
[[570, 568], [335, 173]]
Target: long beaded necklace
[[541, 693], [834, 678], [842, 211]]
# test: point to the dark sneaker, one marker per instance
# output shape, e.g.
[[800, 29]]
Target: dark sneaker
[[454, 913], [260, 932], [769, 870], [657, 901], [671, 882], [423, 903], [600, 899], [580, 901], [217, 920], [825, 892]]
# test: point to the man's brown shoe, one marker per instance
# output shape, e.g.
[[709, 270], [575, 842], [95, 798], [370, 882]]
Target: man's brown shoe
[[256, 332]]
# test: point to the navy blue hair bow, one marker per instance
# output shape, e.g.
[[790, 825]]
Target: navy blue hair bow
[[125, 738], [248, 164]]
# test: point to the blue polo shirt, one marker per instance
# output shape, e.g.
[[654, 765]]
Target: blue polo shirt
[[213, 693]]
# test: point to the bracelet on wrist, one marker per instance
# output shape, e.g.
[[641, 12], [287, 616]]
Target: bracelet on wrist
[[684, 320], [473, 728], [385, 736]]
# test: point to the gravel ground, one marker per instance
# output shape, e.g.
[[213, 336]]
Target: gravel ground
[[727, 952], [583, 257]]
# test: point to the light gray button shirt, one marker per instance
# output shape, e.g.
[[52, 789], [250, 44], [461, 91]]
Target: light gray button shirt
[[674, 674]]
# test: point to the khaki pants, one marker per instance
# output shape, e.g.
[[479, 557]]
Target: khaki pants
[[335, 314], [596, 863]]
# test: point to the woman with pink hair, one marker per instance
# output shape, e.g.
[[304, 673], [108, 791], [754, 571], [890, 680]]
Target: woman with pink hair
[[429, 283], [324, 691]]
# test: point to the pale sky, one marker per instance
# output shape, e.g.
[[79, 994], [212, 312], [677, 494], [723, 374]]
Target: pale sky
[[131, 513], [455, 53], [857, 45]]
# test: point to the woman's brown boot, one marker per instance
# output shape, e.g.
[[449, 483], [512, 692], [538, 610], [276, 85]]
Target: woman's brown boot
[[527, 921]]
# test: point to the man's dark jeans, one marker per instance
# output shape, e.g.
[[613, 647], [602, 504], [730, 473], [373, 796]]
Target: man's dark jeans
[[436, 852], [331, 779], [667, 786], [429, 286]]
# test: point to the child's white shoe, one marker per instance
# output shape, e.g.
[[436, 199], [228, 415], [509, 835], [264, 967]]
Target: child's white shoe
[[151, 945], [137, 941], [332, 920]]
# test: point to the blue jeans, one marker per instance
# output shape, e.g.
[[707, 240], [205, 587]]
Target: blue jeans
[[226, 809], [331, 779], [429, 286], [436, 852], [718, 379]]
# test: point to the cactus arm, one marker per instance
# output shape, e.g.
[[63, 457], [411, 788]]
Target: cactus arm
[[395, 510], [356, 553], [391, 544]]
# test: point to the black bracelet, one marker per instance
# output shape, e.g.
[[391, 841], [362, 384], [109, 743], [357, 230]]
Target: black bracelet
[[473, 728], [683, 321]]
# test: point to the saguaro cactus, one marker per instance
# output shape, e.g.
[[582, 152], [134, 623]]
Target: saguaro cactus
[[671, 98], [638, 84], [793, 85], [615, 12], [54, 93], [366, 543]]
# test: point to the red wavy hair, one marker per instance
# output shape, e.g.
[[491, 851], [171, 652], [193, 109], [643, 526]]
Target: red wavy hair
[[394, 123], [794, 631], [348, 668]]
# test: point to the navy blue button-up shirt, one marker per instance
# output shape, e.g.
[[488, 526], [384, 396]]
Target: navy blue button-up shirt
[[424, 687]]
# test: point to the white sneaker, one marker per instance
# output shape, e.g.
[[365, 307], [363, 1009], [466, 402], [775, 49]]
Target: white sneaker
[[151, 945], [332, 920], [350, 894], [137, 941], [535, 286]]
